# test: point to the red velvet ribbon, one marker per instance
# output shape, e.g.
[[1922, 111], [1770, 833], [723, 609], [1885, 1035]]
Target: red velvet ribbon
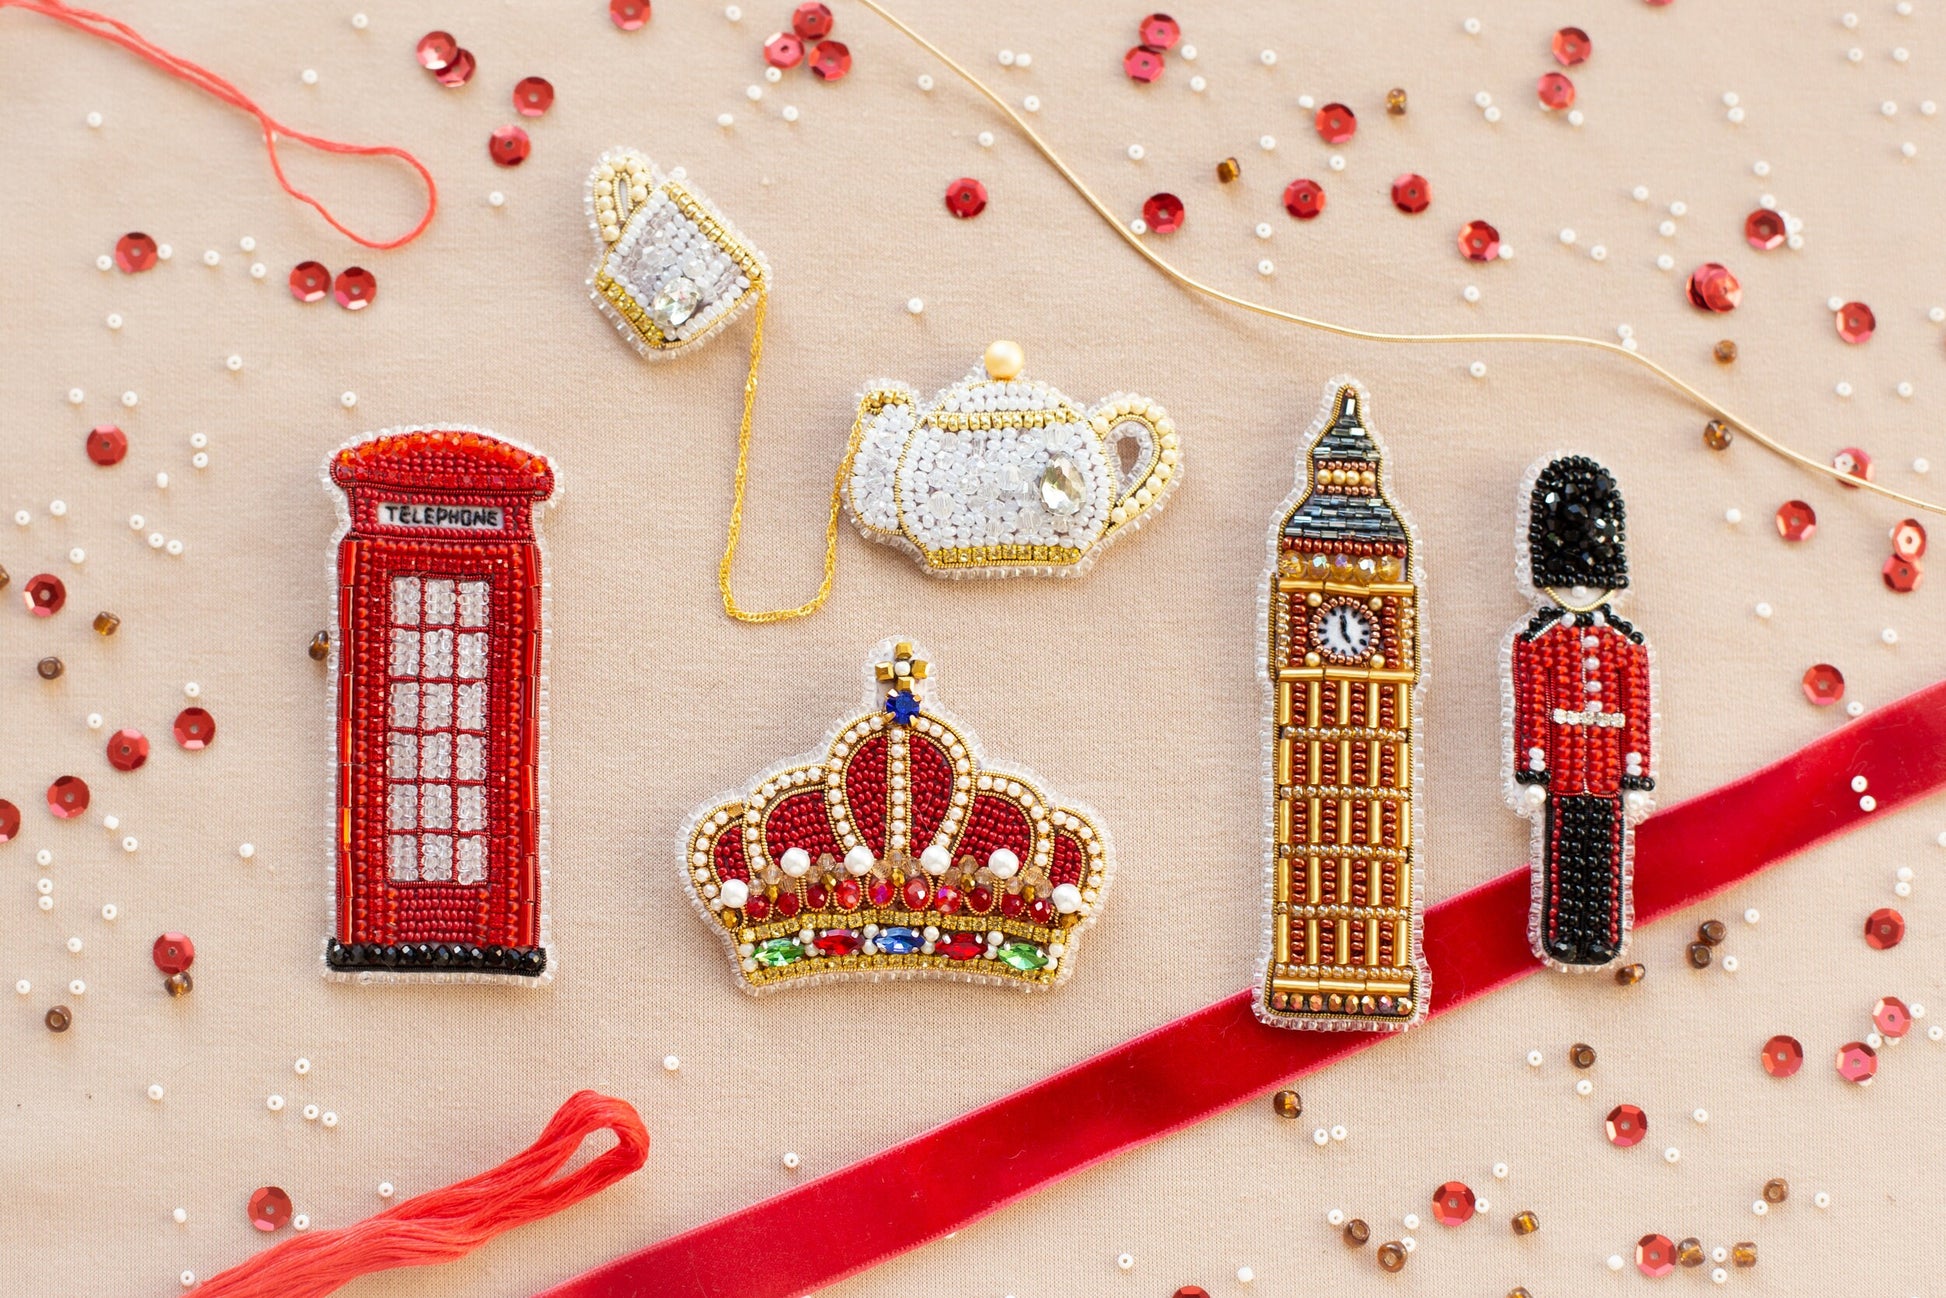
[[1221, 1056]]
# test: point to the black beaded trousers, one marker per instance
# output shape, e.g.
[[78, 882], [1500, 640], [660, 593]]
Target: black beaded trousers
[[1581, 901]]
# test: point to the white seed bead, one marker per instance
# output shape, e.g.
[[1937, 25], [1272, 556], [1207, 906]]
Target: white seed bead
[[1126, 1261], [1584, 1088], [1535, 1059], [1614, 1261], [348, 399], [180, 1215], [329, 1119], [74, 946], [1672, 1155], [275, 1103], [791, 1160], [1478, 369], [915, 305], [109, 911], [246, 850], [155, 1091], [385, 1190], [309, 77], [1700, 1117], [670, 1063], [301, 1067], [1500, 1171]]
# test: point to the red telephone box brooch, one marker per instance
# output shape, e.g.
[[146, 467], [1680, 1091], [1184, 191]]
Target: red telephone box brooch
[[439, 660], [1579, 755]]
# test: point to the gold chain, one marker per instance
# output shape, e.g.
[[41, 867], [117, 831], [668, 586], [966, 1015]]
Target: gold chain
[[1156, 260], [723, 570]]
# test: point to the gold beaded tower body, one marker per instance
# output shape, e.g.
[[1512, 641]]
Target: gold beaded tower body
[[1341, 669]]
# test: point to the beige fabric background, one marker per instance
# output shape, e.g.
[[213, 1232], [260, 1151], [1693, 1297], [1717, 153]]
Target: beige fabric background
[[1132, 690]]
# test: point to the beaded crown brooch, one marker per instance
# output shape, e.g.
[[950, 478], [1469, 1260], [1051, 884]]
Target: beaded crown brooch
[[1339, 658], [439, 662], [897, 851], [1578, 710], [670, 268], [1002, 476]]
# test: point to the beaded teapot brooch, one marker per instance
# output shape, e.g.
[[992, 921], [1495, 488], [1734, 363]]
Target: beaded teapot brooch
[[1338, 654], [1579, 711], [1003, 477], [896, 850]]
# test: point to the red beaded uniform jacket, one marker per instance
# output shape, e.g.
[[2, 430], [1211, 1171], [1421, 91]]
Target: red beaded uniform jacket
[[1582, 704]]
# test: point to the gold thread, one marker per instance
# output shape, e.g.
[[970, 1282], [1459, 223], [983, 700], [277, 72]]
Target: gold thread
[[723, 571], [1194, 285]]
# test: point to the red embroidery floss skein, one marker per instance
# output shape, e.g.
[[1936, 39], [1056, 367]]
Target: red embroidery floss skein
[[119, 33], [447, 1224]]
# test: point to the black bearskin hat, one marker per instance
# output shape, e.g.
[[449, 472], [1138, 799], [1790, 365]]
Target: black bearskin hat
[[1577, 526]]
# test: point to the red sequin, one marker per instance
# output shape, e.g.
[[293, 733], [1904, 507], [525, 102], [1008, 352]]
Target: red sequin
[[1713, 288], [67, 797], [135, 253], [1764, 230], [508, 146], [1855, 322], [1627, 1125], [1479, 241], [1909, 539], [1901, 574], [1143, 64], [1452, 1204], [1304, 199], [437, 50], [1823, 684], [629, 15], [1411, 193], [9, 820], [1555, 90], [458, 72], [830, 60], [1857, 1063], [1853, 461], [355, 288], [1796, 520], [195, 728], [533, 96], [1336, 124], [1160, 31], [45, 594], [966, 198], [128, 749], [1163, 212], [270, 1209], [812, 21], [107, 445], [310, 281], [1783, 1055], [1572, 46], [173, 953], [783, 50], [1655, 1255], [1891, 1017], [1884, 929]]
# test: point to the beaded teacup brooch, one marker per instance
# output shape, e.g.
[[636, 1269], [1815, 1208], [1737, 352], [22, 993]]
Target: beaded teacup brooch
[[439, 660], [1338, 655], [1579, 712], [896, 851], [1002, 476], [670, 269]]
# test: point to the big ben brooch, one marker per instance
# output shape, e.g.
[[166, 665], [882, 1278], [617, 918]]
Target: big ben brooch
[[1579, 711], [1339, 661]]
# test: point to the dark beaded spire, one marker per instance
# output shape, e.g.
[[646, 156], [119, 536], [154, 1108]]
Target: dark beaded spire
[[1329, 515], [1577, 526]]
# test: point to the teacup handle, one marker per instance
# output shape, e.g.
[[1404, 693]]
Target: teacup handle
[[1141, 488]]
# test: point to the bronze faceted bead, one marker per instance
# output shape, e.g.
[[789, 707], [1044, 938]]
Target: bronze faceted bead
[[179, 985], [1690, 1252], [1582, 1055], [1392, 1256], [1712, 931], [1700, 955], [1744, 1254], [320, 646], [1725, 351], [1357, 1233], [1395, 101], [1630, 974], [1776, 1190], [1718, 435], [107, 624], [1287, 1104], [1525, 1222], [1228, 170]]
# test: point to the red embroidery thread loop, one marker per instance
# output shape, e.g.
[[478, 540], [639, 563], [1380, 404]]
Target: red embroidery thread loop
[[119, 33], [447, 1224]]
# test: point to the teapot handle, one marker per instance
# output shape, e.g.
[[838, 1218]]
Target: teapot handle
[[1140, 490]]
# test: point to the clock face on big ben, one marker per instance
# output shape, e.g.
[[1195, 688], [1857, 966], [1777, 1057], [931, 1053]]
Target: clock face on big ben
[[1342, 632]]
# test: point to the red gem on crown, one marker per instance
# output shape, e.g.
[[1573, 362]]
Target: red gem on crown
[[896, 851]]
